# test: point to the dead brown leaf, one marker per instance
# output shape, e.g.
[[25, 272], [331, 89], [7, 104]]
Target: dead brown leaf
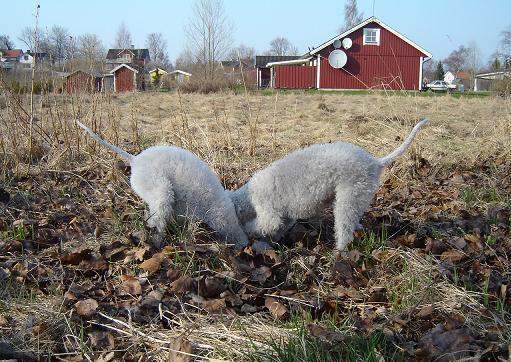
[[276, 308], [151, 265], [407, 240], [130, 285], [343, 292], [173, 274], [76, 257], [87, 307], [182, 285], [214, 305], [135, 254], [181, 345], [425, 312], [325, 335], [102, 340], [452, 256], [106, 357], [3, 321], [210, 287], [474, 241]]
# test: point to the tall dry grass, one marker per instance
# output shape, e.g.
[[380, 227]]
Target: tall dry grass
[[237, 134]]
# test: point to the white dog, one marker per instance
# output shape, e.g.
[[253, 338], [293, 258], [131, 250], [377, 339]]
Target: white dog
[[175, 182], [307, 180]]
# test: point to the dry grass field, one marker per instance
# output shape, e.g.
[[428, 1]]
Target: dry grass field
[[427, 279]]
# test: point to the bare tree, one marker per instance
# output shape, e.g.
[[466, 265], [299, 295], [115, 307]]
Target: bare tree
[[496, 60], [209, 35], [157, 47], [282, 46], [351, 16], [6, 42], [429, 70], [91, 49], [59, 41], [185, 60], [27, 37], [474, 60], [123, 38], [506, 40], [243, 52], [457, 59]]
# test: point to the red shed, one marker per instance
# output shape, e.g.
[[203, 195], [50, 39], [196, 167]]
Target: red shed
[[81, 81], [128, 78], [369, 55]]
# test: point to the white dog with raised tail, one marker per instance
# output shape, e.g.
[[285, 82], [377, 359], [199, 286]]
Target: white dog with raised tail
[[299, 185], [176, 183]]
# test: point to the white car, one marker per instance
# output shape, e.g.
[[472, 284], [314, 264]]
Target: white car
[[440, 86]]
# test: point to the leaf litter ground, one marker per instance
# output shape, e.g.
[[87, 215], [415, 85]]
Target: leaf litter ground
[[435, 288], [427, 278]]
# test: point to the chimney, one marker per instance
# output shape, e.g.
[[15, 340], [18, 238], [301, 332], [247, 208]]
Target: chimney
[[132, 46]]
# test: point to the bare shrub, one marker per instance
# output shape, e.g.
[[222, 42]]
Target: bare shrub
[[206, 86], [502, 87]]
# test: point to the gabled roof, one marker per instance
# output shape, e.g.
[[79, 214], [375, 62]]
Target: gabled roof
[[11, 53], [361, 25], [180, 72], [132, 67], [88, 72], [137, 53], [159, 70], [262, 60]]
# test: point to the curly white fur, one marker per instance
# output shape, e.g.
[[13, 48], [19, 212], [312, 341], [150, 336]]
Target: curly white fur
[[175, 182], [302, 183]]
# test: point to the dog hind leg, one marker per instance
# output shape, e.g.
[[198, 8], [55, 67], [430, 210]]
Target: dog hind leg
[[349, 206]]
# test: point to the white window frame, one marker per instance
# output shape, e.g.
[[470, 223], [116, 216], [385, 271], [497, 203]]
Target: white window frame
[[367, 32]]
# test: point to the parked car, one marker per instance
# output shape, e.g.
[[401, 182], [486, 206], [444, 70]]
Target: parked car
[[440, 86]]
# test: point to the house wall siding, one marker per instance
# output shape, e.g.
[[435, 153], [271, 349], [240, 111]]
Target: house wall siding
[[393, 64], [81, 82], [124, 80], [295, 77]]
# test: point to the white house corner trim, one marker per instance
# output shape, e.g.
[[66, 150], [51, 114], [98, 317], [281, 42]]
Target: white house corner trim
[[318, 72], [421, 62]]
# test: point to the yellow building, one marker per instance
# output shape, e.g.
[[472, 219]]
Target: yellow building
[[157, 72]]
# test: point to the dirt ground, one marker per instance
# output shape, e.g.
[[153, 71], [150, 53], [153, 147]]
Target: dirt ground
[[427, 278]]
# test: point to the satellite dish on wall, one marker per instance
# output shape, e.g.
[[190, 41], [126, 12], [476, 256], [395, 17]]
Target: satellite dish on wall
[[337, 59], [347, 43], [337, 44]]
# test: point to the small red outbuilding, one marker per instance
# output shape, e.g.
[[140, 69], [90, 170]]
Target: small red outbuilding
[[369, 55], [81, 81], [128, 78]]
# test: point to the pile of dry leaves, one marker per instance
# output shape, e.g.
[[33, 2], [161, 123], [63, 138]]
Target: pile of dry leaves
[[80, 280]]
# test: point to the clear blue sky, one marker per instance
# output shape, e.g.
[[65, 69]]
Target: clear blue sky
[[438, 26]]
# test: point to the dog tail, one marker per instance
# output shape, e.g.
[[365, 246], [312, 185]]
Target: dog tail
[[127, 156], [404, 146]]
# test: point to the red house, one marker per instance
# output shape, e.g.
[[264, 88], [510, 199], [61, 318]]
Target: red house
[[138, 57], [369, 55]]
